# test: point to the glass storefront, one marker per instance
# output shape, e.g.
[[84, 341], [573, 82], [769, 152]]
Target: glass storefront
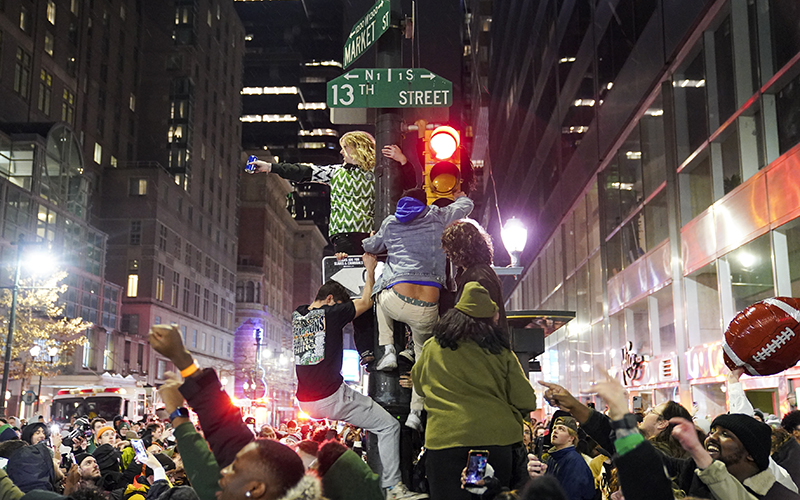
[[735, 207]]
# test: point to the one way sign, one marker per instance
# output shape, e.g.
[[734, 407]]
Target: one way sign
[[349, 272]]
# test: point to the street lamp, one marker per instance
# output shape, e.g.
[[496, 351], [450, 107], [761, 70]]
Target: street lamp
[[12, 317], [52, 352], [258, 335], [515, 236]]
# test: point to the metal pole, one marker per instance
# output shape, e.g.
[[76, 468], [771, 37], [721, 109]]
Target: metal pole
[[384, 387], [12, 317], [38, 394]]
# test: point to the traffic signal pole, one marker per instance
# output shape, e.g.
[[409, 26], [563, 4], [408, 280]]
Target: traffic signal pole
[[387, 123], [384, 387]]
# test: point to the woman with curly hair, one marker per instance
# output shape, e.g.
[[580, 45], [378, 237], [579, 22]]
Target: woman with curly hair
[[470, 249], [475, 391]]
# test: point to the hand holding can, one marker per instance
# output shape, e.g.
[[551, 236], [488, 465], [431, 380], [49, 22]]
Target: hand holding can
[[251, 167]]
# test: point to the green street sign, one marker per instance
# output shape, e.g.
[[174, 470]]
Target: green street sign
[[390, 88], [366, 31]]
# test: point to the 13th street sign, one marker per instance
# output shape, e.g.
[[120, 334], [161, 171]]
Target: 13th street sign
[[390, 88], [366, 31]]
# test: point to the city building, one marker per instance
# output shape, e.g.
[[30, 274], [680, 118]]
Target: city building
[[120, 133], [279, 267], [292, 50], [170, 207], [652, 148], [47, 184]]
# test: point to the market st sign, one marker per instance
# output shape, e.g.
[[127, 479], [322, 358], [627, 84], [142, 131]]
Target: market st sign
[[366, 31]]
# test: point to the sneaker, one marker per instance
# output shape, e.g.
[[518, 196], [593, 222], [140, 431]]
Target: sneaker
[[389, 359], [367, 357], [414, 421], [400, 492], [408, 354]]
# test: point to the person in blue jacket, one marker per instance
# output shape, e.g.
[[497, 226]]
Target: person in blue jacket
[[565, 463]]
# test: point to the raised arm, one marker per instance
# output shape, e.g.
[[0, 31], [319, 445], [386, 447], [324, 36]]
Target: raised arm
[[221, 421], [364, 303]]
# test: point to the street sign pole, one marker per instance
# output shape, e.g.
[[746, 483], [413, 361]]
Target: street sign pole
[[384, 387]]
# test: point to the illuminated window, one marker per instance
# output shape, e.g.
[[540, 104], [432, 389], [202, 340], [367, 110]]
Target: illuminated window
[[45, 91], [67, 106], [24, 19], [132, 102], [98, 153], [137, 187], [51, 11], [160, 282], [22, 73], [133, 278]]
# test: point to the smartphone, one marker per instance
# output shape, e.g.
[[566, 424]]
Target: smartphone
[[141, 452], [476, 466]]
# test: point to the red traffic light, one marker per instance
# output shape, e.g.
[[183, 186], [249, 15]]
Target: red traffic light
[[444, 142]]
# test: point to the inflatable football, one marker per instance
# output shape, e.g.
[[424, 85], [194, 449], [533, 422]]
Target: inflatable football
[[765, 337]]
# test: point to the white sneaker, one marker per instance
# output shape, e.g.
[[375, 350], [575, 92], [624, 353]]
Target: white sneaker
[[414, 421], [389, 359], [408, 354], [400, 492]]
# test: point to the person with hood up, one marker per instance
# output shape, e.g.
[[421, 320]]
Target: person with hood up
[[32, 468], [35, 433], [408, 289], [7, 433]]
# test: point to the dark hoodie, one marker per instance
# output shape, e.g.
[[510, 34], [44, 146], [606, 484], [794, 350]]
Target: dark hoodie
[[31, 468], [29, 430]]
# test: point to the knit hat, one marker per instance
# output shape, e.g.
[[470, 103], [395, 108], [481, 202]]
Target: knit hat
[[80, 457], [756, 437], [475, 301], [102, 430], [568, 422], [7, 433], [107, 458]]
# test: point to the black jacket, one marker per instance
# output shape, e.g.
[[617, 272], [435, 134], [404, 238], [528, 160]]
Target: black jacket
[[31, 468], [641, 474], [788, 457]]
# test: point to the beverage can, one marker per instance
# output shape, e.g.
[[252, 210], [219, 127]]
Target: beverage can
[[250, 168]]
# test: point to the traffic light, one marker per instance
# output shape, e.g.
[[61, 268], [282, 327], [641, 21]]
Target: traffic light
[[442, 164]]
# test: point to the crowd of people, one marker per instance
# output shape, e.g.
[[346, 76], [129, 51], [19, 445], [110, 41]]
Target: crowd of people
[[470, 400]]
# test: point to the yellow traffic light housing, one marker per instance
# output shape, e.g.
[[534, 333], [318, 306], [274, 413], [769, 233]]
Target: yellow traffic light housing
[[442, 164]]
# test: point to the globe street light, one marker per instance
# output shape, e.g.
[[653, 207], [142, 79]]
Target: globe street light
[[515, 236]]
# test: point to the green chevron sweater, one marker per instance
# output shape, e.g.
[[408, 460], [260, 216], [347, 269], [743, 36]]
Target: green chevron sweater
[[352, 193]]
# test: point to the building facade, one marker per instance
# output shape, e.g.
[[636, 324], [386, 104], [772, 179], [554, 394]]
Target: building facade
[[657, 154], [279, 268], [170, 207], [292, 50], [121, 145]]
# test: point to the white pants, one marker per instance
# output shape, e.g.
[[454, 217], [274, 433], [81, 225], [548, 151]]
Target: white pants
[[419, 318], [362, 411]]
